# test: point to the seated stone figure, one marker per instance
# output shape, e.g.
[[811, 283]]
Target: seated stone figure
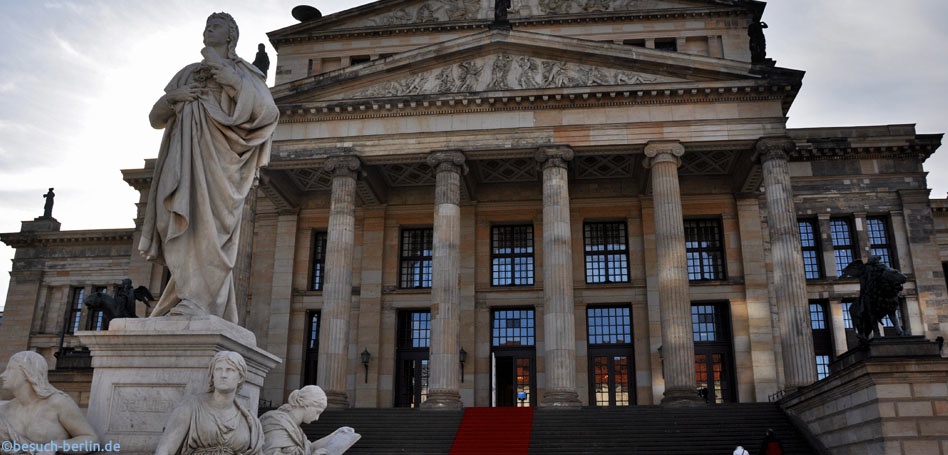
[[214, 423], [284, 435], [39, 414]]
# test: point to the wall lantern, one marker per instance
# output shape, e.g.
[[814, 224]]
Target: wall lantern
[[462, 356], [365, 362]]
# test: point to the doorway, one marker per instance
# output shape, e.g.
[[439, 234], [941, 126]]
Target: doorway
[[411, 358]]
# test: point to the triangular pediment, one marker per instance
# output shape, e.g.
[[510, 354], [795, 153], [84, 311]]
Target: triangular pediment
[[426, 13], [516, 63]]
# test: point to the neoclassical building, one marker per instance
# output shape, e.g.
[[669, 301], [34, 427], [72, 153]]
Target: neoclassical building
[[568, 203]]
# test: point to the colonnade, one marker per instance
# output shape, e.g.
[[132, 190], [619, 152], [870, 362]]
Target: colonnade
[[663, 159]]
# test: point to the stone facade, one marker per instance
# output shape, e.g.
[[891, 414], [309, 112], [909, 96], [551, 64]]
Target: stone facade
[[514, 162]]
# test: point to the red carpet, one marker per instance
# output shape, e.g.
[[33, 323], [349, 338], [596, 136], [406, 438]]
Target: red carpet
[[494, 431]]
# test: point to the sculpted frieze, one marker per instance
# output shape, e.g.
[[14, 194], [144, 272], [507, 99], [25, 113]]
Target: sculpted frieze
[[505, 72]]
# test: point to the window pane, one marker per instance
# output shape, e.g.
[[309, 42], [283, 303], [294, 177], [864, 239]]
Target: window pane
[[843, 243], [704, 323], [513, 328], [611, 325], [704, 250], [606, 252], [822, 366], [416, 257], [811, 249], [817, 316], [512, 255], [319, 261], [879, 245]]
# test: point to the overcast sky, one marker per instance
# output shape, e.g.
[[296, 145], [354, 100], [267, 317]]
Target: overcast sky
[[78, 78]]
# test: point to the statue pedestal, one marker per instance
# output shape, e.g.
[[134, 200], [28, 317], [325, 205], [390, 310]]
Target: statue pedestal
[[145, 367], [907, 347]]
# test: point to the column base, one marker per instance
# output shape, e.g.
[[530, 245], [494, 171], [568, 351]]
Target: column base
[[337, 400], [682, 398], [564, 399], [443, 400]]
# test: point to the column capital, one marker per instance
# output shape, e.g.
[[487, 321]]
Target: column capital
[[343, 166], [663, 151], [447, 161], [774, 147], [554, 155]]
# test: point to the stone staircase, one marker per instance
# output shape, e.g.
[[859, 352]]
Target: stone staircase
[[638, 430]]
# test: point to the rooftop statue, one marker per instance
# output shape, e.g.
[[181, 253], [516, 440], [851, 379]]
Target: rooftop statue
[[39, 413], [214, 422], [879, 288], [284, 436], [218, 116], [261, 60], [48, 206]]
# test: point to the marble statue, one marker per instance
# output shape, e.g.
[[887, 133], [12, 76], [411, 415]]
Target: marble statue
[[285, 437], [214, 422], [879, 288], [218, 116], [40, 419]]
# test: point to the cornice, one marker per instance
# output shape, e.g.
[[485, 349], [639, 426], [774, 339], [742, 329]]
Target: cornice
[[808, 152], [582, 97], [66, 238], [523, 23]]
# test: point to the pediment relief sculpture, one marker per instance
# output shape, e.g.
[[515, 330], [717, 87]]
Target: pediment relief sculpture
[[505, 72]]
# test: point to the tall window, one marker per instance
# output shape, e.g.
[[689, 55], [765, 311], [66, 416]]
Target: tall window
[[412, 365], [311, 356], [74, 312], [319, 260], [809, 239], [610, 356], [844, 244], [714, 365], [822, 337], [513, 357], [705, 250], [415, 268], [879, 243], [607, 252], [511, 255]]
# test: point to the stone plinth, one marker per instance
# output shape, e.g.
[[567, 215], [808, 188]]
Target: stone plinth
[[880, 401], [887, 347], [146, 367]]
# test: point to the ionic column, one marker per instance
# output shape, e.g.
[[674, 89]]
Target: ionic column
[[337, 290], [444, 381], [559, 326], [793, 310], [678, 349]]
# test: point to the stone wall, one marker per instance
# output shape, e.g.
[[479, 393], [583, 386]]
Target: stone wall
[[881, 405]]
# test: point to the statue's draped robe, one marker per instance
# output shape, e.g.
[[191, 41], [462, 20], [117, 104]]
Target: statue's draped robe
[[210, 155], [283, 435], [210, 435]]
